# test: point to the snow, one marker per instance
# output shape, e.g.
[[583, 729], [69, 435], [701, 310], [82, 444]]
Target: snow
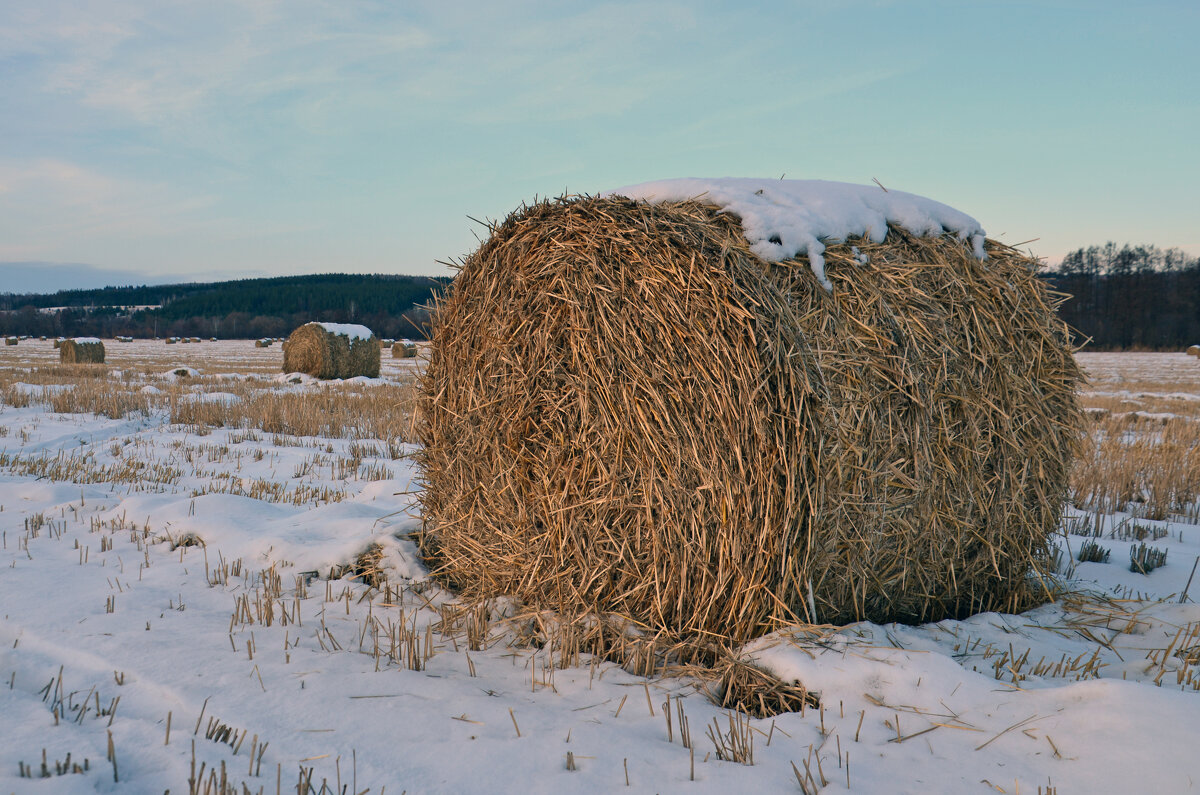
[[219, 398], [85, 340], [783, 219], [351, 330], [936, 708]]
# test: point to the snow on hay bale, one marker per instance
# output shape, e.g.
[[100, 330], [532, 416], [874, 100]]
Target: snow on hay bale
[[630, 409], [332, 350], [81, 350]]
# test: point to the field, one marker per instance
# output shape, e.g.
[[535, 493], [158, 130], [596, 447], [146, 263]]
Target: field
[[208, 585]]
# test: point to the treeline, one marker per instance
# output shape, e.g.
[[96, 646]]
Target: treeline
[[1130, 297], [391, 306]]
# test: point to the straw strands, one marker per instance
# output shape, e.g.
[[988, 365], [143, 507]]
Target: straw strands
[[626, 411], [81, 351], [315, 350]]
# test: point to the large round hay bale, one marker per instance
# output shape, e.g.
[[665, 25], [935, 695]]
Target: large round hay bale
[[11, 341], [404, 350], [81, 350], [332, 350], [626, 410], [1193, 350]]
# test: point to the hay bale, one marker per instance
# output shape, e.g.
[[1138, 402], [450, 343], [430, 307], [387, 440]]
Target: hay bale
[[626, 410], [81, 350], [263, 343], [332, 350], [404, 350], [1193, 350], [10, 340]]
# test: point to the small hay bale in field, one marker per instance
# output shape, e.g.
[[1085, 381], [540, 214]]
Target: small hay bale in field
[[332, 350], [628, 410], [263, 343], [58, 342], [81, 350], [11, 340], [404, 350], [1193, 350]]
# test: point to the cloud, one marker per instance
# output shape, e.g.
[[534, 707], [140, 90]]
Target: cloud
[[51, 199], [175, 65]]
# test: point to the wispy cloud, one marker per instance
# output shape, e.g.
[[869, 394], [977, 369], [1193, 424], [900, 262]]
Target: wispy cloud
[[48, 199]]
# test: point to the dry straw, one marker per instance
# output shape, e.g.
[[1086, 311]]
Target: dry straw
[[626, 411], [314, 350], [77, 352]]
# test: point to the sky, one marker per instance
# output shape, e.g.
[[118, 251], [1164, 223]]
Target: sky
[[150, 142]]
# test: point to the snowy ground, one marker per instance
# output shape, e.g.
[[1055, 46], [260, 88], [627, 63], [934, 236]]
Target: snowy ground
[[156, 575]]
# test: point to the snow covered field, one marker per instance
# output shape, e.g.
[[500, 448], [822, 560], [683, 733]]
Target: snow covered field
[[169, 617]]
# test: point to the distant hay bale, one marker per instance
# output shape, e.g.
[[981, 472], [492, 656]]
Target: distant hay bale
[[404, 350], [263, 343], [81, 350], [331, 350], [1193, 350], [58, 342], [627, 411], [11, 340]]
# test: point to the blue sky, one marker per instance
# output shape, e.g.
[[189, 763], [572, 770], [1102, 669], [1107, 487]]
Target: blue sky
[[151, 141]]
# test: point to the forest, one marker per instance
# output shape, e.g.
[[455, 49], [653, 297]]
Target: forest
[[391, 306], [1130, 297]]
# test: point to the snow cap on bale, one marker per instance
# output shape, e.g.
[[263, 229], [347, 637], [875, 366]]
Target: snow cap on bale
[[332, 350], [81, 350], [630, 410]]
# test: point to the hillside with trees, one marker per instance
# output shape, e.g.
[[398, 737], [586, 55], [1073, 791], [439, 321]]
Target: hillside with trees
[[391, 306]]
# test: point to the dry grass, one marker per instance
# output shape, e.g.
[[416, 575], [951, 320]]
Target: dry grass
[[626, 411], [352, 412], [1141, 448], [340, 411]]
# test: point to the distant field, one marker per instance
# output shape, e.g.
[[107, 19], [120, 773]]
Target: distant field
[[147, 357]]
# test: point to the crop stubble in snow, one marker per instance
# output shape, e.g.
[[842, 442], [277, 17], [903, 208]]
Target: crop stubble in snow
[[402, 688]]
